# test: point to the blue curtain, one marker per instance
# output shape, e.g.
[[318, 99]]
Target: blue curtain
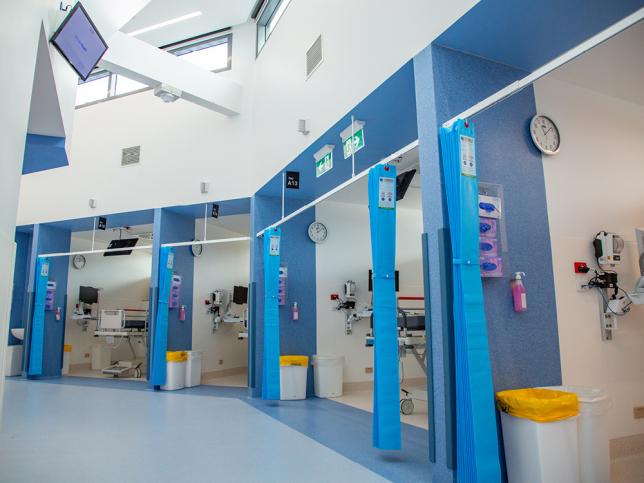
[[160, 342], [476, 431], [37, 342], [386, 388], [271, 360]]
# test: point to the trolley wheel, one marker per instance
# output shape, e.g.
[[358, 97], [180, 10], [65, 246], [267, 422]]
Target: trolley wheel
[[137, 373], [406, 406]]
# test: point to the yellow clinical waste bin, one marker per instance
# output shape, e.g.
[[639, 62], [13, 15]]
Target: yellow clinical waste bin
[[540, 435], [293, 375]]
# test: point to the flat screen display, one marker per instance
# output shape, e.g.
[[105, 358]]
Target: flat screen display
[[240, 295], [88, 295], [79, 42], [120, 245]]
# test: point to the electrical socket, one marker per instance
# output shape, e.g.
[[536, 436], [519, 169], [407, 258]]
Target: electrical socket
[[86, 355], [638, 412], [368, 370], [221, 362]]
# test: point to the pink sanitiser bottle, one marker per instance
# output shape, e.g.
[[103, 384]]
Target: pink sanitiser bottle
[[519, 293], [295, 311]]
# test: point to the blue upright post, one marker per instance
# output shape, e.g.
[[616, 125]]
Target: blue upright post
[[386, 389], [37, 344], [160, 342], [271, 366]]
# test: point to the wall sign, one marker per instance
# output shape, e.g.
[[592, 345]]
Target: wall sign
[[215, 210], [274, 246], [102, 223], [387, 193], [468, 160], [348, 147], [323, 160], [293, 180]]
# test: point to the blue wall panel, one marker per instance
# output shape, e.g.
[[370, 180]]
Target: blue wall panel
[[524, 347], [20, 277], [177, 228], [43, 152]]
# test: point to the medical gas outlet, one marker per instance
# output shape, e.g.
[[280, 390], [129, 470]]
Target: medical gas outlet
[[347, 304]]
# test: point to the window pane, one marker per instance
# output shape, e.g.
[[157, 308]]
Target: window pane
[[125, 85], [92, 90], [211, 58], [276, 16]]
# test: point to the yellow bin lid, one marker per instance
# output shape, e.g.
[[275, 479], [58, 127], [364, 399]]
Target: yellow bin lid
[[67, 348], [539, 405], [176, 356], [294, 361]]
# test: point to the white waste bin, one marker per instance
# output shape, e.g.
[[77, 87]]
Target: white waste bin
[[293, 375], [67, 355], [193, 368], [101, 356], [541, 444], [13, 360], [176, 370], [327, 375], [592, 431]]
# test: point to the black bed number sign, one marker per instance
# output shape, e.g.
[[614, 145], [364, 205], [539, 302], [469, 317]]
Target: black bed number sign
[[215, 210], [293, 180], [102, 223]]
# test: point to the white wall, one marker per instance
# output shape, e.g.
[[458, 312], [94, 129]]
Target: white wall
[[182, 144], [593, 184], [346, 255], [125, 283], [221, 266]]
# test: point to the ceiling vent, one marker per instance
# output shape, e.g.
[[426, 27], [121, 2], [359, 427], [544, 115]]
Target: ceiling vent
[[314, 57], [131, 156]]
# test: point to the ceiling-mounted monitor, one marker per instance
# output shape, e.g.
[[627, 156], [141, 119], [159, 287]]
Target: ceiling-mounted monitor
[[79, 42], [120, 247], [402, 183]]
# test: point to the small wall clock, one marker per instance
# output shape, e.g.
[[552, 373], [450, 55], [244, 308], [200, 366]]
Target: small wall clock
[[545, 134], [317, 232]]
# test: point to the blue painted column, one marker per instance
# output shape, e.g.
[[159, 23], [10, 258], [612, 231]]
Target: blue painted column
[[20, 278], [49, 239], [298, 256]]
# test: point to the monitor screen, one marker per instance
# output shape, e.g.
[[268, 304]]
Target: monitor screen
[[88, 295], [240, 295], [371, 281], [79, 42], [402, 183], [120, 244]]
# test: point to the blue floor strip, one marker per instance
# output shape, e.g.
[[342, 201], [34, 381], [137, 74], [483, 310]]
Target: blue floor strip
[[342, 428]]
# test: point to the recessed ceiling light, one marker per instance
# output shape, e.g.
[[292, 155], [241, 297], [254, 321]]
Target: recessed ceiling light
[[166, 23]]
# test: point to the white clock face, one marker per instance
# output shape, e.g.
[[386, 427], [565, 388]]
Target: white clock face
[[545, 134], [317, 232], [196, 249], [79, 262]]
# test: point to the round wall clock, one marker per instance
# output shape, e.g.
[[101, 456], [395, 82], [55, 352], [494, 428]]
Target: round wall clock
[[196, 249], [317, 232], [545, 134], [79, 262]]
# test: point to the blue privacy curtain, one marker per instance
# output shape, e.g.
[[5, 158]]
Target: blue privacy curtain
[[37, 343], [476, 432], [386, 387], [160, 342], [271, 359]]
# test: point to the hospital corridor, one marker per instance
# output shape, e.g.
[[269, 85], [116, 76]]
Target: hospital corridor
[[306, 241]]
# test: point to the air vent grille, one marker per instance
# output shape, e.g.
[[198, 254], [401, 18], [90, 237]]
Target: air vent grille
[[131, 156], [314, 56]]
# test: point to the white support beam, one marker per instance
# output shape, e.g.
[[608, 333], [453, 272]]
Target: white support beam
[[207, 242], [93, 252], [564, 58], [338, 188], [145, 63]]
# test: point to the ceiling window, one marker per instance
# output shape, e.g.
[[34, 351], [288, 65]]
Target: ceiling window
[[211, 51], [267, 18]]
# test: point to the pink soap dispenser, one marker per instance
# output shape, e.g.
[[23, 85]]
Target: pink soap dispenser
[[519, 293]]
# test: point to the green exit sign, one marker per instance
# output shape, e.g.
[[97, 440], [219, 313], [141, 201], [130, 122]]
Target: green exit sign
[[324, 164], [353, 144]]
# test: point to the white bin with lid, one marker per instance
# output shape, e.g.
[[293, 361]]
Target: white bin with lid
[[293, 376], [592, 431], [176, 370], [540, 435], [327, 375], [193, 368]]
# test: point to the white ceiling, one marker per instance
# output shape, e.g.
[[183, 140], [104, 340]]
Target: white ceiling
[[104, 237], [217, 15], [614, 68]]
